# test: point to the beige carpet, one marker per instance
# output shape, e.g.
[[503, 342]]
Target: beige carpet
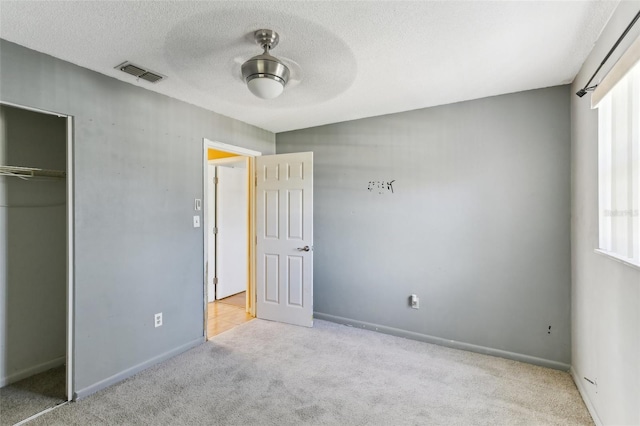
[[23, 399], [266, 373]]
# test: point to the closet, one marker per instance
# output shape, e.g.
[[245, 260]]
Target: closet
[[33, 261]]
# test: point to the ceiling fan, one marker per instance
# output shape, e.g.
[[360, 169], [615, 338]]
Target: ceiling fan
[[265, 75]]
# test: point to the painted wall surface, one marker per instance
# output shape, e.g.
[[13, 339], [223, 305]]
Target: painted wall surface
[[138, 159], [214, 154], [33, 241], [465, 205], [605, 293]]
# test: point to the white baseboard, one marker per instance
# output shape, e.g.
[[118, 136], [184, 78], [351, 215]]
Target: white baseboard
[[585, 397], [444, 342], [30, 371], [83, 393]]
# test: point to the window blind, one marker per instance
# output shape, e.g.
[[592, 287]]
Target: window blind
[[619, 165]]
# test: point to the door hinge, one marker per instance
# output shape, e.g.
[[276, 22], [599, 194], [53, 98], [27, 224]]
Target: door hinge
[[215, 280], [215, 230], [256, 180], [215, 180]]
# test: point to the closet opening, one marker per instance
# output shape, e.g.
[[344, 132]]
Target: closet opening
[[36, 252]]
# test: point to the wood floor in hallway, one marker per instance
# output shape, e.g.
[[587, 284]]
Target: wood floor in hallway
[[224, 316]]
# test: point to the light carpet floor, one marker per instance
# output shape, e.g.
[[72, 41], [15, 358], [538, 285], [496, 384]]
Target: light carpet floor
[[23, 399], [267, 373]]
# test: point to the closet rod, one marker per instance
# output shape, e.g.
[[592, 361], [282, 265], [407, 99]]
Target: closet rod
[[29, 172]]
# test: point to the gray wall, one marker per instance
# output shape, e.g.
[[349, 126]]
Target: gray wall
[[477, 224], [138, 168], [605, 293], [33, 239]]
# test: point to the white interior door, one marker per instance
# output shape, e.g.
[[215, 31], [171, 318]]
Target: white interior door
[[232, 221], [284, 229]]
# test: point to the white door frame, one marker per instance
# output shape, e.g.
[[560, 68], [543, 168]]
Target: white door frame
[[70, 241], [220, 146]]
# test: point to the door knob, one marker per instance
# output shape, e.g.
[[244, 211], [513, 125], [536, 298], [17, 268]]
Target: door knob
[[305, 248]]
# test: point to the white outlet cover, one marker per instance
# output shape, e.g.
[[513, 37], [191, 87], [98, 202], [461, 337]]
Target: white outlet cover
[[196, 221], [157, 318], [198, 205]]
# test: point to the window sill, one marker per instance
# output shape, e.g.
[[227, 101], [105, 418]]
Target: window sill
[[618, 259]]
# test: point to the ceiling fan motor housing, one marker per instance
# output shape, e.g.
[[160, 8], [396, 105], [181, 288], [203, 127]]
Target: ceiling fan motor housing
[[265, 65]]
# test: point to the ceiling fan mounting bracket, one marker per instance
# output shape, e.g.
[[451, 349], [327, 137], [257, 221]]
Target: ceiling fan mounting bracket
[[267, 39]]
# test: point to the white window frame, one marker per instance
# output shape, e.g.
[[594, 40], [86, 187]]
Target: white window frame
[[619, 167]]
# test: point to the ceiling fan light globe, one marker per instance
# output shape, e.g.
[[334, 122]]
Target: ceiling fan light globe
[[265, 87], [265, 75]]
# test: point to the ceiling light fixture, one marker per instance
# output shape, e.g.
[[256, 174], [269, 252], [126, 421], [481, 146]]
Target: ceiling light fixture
[[264, 74]]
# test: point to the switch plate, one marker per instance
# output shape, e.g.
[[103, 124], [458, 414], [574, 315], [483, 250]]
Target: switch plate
[[414, 301], [196, 221], [198, 205], [157, 319]]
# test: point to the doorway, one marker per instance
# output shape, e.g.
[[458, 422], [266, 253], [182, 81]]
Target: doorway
[[36, 253], [280, 230], [228, 214], [228, 225]]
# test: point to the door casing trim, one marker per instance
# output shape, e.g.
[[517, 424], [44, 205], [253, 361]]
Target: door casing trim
[[250, 154]]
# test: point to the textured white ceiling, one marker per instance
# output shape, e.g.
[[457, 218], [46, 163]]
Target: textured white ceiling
[[349, 59]]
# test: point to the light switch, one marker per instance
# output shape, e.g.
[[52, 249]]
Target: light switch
[[198, 205], [196, 221]]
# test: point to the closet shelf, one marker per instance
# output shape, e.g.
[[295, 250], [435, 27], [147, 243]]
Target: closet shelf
[[31, 172]]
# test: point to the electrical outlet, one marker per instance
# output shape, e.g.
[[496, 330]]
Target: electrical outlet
[[414, 301], [196, 221], [157, 318]]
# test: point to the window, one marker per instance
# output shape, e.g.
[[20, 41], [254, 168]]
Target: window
[[619, 168]]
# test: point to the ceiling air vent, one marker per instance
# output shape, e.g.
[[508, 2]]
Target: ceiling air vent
[[139, 72]]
